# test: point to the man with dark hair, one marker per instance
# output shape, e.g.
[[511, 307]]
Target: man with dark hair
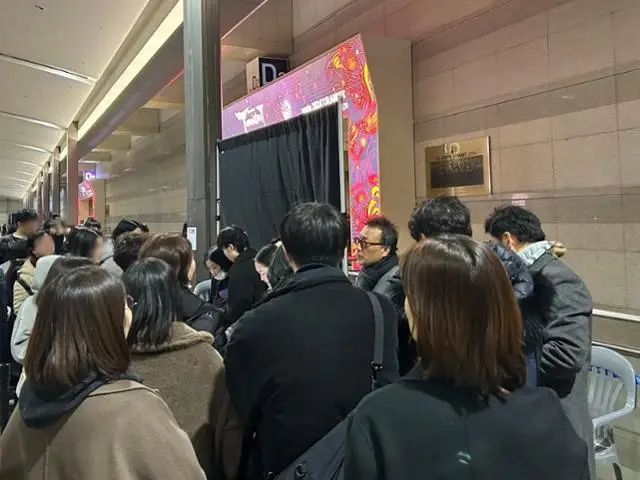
[[127, 247], [438, 215], [377, 253], [448, 215], [563, 302], [299, 362], [14, 246], [108, 261], [245, 286]]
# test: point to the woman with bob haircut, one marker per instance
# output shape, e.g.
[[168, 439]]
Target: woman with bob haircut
[[462, 412], [164, 352], [80, 413], [176, 251]]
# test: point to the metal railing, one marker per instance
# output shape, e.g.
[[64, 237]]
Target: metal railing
[[625, 317]]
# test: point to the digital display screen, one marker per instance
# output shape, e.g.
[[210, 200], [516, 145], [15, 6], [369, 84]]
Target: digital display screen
[[342, 75]]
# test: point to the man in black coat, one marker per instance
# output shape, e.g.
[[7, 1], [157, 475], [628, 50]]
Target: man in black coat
[[380, 273], [298, 363], [448, 215], [245, 287], [14, 246], [563, 302]]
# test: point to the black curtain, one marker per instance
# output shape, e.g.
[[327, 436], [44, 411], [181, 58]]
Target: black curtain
[[265, 172]]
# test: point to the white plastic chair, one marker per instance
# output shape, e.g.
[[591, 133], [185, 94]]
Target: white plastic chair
[[203, 290], [610, 372]]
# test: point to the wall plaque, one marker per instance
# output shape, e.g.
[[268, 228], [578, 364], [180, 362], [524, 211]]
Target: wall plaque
[[459, 168]]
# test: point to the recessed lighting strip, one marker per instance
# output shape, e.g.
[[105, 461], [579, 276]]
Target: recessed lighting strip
[[51, 69], [34, 121], [168, 27], [26, 147]]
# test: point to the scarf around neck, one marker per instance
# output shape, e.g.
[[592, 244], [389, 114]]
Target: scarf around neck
[[370, 275]]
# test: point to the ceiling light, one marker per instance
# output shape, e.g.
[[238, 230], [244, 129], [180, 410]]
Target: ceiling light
[[51, 69], [26, 147], [169, 25]]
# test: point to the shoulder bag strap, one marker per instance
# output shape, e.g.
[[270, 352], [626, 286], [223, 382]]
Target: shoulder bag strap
[[378, 340], [24, 285]]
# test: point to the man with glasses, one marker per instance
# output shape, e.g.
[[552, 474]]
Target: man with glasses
[[377, 251]]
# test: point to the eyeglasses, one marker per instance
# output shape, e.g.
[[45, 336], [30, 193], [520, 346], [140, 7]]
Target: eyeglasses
[[363, 243], [131, 303]]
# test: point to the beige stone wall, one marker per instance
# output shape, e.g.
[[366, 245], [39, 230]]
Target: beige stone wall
[[7, 206], [558, 95], [149, 182]]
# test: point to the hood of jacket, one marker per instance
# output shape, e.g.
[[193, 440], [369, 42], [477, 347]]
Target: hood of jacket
[[182, 336], [107, 251], [40, 408], [532, 252], [517, 271], [42, 270]]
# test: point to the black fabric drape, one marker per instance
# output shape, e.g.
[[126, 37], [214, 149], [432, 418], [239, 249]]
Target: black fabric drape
[[265, 172]]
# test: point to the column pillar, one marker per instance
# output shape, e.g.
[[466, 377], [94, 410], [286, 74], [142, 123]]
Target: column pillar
[[40, 195], [55, 181], [73, 176], [203, 112], [46, 189]]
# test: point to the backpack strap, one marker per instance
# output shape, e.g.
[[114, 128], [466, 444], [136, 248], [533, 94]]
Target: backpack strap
[[24, 285], [378, 340]]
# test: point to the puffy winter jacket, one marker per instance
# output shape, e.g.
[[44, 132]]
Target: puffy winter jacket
[[523, 286]]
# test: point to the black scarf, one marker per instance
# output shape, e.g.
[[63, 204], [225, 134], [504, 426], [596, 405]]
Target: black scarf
[[40, 408], [371, 274]]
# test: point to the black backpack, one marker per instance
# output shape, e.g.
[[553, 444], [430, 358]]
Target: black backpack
[[325, 459]]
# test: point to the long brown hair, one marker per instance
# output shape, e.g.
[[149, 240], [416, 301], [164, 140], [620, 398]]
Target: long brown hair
[[175, 250], [465, 317], [79, 329]]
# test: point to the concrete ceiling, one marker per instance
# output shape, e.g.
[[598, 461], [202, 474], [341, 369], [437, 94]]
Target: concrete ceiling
[[51, 53], [287, 27]]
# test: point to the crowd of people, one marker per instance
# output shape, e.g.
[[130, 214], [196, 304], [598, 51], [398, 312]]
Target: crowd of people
[[452, 359]]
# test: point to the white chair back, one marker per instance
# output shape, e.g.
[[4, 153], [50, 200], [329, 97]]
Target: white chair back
[[610, 374], [203, 290]]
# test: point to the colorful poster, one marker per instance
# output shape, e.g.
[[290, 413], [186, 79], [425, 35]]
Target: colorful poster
[[341, 75]]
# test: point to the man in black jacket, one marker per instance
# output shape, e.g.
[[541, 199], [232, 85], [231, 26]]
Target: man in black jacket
[[14, 246], [380, 273], [563, 302], [245, 287], [298, 363]]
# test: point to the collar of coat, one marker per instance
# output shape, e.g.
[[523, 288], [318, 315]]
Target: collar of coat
[[182, 336]]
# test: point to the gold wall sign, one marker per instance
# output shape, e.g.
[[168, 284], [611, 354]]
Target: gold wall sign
[[459, 168]]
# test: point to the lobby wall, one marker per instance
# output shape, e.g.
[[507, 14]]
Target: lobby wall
[[558, 94], [7, 206], [149, 182]]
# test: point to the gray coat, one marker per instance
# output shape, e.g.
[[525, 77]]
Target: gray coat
[[564, 303], [107, 262]]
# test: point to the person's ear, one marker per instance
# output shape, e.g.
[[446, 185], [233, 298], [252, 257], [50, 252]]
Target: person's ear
[[289, 260]]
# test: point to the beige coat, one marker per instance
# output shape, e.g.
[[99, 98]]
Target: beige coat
[[25, 272], [189, 374], [121, 431]]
